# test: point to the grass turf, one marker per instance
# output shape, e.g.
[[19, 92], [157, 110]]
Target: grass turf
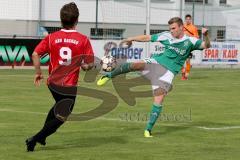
[[200, 121]]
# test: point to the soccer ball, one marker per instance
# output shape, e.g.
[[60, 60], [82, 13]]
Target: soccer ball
[[108, 63]]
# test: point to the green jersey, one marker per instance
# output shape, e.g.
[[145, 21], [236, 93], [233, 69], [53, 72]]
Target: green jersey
[[175, 51]]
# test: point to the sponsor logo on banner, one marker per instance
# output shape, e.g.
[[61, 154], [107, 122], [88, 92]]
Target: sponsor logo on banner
[[18, 52], [221, 53], [131, 54], [158, 49]]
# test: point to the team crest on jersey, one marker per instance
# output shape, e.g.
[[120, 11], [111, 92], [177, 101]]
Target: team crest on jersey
[[185, 43]]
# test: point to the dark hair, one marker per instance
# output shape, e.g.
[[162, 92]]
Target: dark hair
[[69, 15], [177, 20], [188, 15]]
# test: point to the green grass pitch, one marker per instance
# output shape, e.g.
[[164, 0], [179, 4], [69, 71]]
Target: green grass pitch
[[201, 120]]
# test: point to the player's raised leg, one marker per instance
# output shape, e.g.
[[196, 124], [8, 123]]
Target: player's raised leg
[[123, 68]]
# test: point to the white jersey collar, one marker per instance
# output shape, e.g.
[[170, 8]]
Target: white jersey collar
[[176, 40], [65, 30]]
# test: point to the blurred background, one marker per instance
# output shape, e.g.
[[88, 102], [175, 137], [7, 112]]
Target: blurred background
[[109, 20], [116, 19]]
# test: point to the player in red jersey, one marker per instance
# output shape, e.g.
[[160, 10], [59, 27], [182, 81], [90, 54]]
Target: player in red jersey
[[69, 51]]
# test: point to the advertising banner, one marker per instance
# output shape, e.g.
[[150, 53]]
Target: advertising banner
[[18, 52], [110, 47], [221, 53]]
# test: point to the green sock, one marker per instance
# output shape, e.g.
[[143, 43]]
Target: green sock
[[156, 110], [123, 68]]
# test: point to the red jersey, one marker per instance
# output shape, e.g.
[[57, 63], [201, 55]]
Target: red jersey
[[67, 49]]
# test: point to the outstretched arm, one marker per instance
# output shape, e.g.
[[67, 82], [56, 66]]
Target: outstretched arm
[[38, 75], [206, 43], [140, 38]]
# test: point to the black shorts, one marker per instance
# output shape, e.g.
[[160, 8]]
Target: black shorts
[[65, 100]]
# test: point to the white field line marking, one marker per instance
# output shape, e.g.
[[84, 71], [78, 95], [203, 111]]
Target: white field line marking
[[218, 128], [28, 112], [115, 119]]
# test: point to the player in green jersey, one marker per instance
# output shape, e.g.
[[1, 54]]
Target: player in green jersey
[[160, 69]]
